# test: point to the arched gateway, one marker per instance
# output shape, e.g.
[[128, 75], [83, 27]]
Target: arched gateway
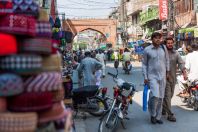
[[107, 27]]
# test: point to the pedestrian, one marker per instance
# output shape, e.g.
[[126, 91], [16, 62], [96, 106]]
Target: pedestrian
[[101, 57], [155, 65], [87, 69], [175, 60]]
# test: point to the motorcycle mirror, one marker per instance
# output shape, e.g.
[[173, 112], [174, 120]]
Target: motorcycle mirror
[[116, 64]]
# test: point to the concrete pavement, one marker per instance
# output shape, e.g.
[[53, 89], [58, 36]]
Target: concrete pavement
[[187, 119]]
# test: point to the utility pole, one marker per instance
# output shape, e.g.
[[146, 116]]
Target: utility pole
[[171, 17], [123, 22]]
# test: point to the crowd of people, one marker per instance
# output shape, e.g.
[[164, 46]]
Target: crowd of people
[[160, 63]]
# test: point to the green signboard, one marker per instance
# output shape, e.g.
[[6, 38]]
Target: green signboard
[[150, 14]]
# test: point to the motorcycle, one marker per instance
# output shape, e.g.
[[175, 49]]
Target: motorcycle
[[91, 99], [127, 66], [192, 92], [123, 93]]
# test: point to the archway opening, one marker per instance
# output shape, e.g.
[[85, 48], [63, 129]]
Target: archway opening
[[89, 39]]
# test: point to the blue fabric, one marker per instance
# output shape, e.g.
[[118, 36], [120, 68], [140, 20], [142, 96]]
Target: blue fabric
[[145, 95]]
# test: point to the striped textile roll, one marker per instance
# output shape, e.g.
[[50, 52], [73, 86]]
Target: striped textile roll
[[18, 122], [29, 102], [6, 7], [57, 112], [43, 29], [21, 63], [58, 95], [3, 104], [18, 24], [47, 81], [37, 46], [52, 63], [10, 85], [8, 44]]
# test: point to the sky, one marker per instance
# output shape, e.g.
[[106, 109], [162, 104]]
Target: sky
[[86, 8]]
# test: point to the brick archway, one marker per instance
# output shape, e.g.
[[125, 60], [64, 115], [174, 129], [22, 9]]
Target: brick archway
[[106, 27]]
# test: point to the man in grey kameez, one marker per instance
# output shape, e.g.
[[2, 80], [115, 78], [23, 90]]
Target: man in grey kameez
[[175, 60], [87, 69], [155, 66]]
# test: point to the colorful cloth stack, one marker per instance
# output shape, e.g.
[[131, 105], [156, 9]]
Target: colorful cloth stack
[[31, 90]]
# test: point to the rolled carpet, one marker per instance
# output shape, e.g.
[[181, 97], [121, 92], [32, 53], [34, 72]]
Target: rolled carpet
[[52, 63], [18, 122], [58, 95]]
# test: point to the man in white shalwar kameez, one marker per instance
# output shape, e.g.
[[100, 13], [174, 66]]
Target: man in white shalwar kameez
[[155, 66]]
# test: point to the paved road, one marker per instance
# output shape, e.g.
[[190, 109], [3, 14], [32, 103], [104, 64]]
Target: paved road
[[187, 119]]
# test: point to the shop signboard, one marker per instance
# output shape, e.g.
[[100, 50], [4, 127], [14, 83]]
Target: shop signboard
[[163, 10], [150, 14]]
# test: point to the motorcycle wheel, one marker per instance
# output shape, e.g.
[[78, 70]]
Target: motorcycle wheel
[[111, 125], [184, 100], [195, 106], [102, 106]]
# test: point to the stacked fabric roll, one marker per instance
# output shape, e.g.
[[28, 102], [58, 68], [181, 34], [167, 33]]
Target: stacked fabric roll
[[31, 91]]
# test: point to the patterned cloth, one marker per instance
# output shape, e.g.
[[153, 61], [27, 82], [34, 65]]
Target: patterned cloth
[[9, 44], [17, 122], [18, 24], [21, 63], [43, 29], [47, 81], [10, 85], [6, 7], [25, 7], [30, 102], [3, 104], [36, 45]]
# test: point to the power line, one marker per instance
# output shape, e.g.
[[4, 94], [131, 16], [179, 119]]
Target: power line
[[98, 2], [88, 4], [79, 8]]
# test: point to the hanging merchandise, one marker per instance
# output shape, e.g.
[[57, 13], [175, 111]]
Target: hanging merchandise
[[6, 7], [51, 21], [68, 36], [57, 23]]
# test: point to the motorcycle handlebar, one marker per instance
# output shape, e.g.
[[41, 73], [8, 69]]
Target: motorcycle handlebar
[[111, 74]]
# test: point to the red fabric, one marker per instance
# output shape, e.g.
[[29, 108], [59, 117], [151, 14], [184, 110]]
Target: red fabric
[[18, 24], [55, 43], [8, 44], [29, 102], [3, 104]]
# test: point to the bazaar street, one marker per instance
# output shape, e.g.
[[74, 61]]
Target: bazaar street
[[139, 120]]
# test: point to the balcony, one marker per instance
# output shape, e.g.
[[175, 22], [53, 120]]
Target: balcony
[[137, 5]]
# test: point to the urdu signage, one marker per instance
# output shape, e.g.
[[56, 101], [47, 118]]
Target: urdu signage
[[163, 9]]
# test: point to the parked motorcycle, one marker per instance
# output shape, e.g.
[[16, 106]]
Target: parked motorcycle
[[123, 93], [192, 92], [127, 67], [90, 99]]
